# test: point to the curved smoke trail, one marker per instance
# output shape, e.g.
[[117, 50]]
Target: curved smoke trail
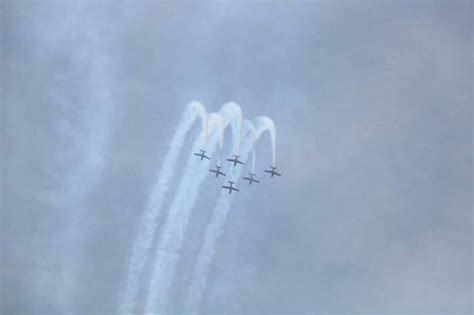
[[232, 109], [263, 123], [215, 121], [216, 226], [147, 226], [201, 111], [251, 131], [168, 249]]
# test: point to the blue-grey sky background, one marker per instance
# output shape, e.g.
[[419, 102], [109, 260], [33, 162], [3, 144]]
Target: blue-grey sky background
[[372, 103]]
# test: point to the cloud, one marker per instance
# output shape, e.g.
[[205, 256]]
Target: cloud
[[371, 103]]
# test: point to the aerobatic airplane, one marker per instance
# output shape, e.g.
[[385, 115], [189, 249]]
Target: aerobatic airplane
[[235, 160], [272, 171], [231, 187], [217, 171], [251, 179], [202, 155]]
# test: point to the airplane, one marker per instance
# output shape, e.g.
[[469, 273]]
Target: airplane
[[217, 171], [235, 160], [202, 155], [251, 179], [231, 187], [272, 171]]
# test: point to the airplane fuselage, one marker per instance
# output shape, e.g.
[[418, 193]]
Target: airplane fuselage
[[231, 187], [217, 171], [235, 160], [251, 179], [272, 171], [202, 155]]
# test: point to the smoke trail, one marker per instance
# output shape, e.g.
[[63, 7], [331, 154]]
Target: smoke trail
[[265, 123], [147, 226], [232, 110], [254, 153], [251, 131], [216, 226], [168, 249], [215, 121]]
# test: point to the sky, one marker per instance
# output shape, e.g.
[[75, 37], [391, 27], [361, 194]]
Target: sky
[[372, 103]]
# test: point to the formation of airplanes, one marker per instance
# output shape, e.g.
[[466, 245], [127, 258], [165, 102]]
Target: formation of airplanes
[[235, 160]]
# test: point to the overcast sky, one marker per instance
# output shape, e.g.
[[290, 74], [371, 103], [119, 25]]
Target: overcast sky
[[372, 102]]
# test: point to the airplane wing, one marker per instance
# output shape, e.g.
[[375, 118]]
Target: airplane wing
[[276, 173], [246, 178], [207, 157], [227, 187], [235, 189], [197, 154], [257, 181]]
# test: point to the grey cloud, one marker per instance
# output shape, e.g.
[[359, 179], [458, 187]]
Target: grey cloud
[[372, 104]]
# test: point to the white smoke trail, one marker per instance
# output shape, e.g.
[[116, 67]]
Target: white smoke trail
[[216, 226], [168, 249], [215, 121], [254, 154], [263, 123], [251, 132], [147, 225], [232, 110]]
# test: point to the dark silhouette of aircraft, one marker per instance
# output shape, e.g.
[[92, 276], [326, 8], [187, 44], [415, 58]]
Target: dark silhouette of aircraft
[[202, 155], [251, 179], [231, 187], [235, 160], [217, 171], [272, 171]]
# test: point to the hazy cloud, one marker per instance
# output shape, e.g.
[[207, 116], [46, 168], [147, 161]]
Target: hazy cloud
[[373, 107]]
